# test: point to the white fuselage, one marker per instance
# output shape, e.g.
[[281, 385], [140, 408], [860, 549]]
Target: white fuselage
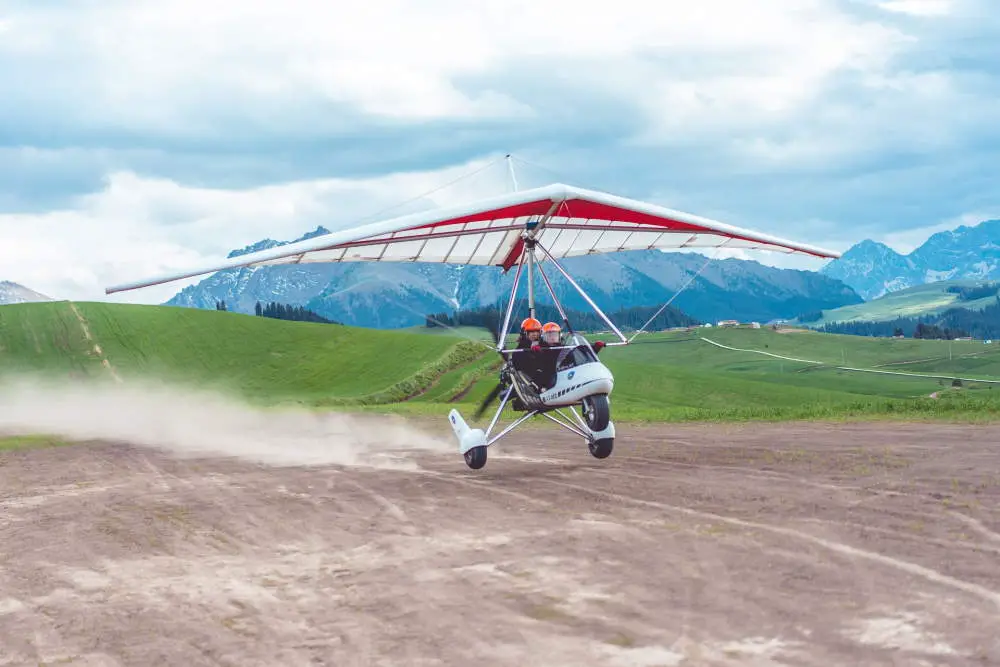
[[576, 383]]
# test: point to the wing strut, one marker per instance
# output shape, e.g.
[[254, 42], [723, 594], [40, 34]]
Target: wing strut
[[502, 338], [586, 296]]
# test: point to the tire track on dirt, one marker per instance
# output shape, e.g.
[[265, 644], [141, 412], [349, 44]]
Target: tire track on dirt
[[977, 526], [767, 475], [925, 573], [43, 495], [908, 536], [755, 473], [485, 484], [932, 513], [391, 508]]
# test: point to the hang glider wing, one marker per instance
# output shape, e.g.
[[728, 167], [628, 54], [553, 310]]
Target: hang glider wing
[[568, 221]]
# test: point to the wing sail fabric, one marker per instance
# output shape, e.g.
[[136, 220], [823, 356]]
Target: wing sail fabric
[[571, 222]]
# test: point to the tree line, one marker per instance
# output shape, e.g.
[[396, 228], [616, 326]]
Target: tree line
[[491, 317], [908, 327], [973, 293], [950, 324], [284, 311], [964, 294]]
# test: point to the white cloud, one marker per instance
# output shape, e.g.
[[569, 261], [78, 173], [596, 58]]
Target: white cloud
[[919, 7], [766, 82], [766, 86], [138, 227], [181, 66]]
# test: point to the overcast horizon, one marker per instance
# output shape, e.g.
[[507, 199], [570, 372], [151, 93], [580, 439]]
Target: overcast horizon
[[142, 138]]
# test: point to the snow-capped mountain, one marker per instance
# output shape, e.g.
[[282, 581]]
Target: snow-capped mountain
[[394, 295], [15, 293], [874, 269]]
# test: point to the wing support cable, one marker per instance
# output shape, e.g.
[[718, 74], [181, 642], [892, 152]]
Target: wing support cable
[[677, 293]]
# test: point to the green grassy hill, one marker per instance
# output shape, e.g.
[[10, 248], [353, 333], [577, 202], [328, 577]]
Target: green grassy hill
[[261, 359], [911, 302], [662, 376]]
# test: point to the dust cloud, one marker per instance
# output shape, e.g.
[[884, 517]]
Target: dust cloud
[[188, 422]]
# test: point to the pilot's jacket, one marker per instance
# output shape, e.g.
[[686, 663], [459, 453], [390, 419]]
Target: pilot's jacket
[[539, 365]]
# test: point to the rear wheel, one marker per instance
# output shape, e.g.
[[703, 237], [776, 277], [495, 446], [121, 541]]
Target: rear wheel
[[475, 458], [601, 449], [596, 412]]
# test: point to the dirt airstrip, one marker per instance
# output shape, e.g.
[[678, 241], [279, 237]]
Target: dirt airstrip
[[692, 545]]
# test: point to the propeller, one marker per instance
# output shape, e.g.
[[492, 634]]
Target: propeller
[[493, 325], [490, 397]]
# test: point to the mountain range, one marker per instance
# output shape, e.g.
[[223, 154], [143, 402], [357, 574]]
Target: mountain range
[[874, 269], [400, 294], [14, 293], [393, 295]]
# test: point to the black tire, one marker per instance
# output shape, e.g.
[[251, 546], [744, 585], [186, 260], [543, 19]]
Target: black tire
[[475, 458], [596, 411], [601, 449]]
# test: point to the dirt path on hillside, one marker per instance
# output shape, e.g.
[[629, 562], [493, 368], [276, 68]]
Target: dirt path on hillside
[[95, 347], [691, 545]]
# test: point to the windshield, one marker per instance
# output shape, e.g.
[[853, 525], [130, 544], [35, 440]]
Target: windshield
[[577, 355]]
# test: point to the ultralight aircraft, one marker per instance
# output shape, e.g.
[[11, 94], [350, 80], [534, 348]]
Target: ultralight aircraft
[[524, 229]]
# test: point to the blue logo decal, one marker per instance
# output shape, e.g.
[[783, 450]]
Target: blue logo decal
[[570, 375]]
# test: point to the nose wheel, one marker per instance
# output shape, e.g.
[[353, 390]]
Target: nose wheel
[[601, 449], [596, 411], [475, 458]]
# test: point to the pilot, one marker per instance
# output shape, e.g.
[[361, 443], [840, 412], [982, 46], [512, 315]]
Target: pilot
[[531, 333], [532, 362]]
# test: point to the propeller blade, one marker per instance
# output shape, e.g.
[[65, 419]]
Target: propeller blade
[[490, 397], [493, 324]]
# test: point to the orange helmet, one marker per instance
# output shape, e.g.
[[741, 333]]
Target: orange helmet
[[531, 324], [550, 332]]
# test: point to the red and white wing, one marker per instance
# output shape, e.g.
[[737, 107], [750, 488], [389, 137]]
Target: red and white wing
[[572, 221]]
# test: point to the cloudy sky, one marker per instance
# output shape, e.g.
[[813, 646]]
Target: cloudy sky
[[139, 137]]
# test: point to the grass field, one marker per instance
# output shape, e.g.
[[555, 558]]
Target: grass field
[[911, 302], [258, 358], [675, 376]]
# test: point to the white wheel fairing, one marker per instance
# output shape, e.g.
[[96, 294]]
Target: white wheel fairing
[[468, 438], [573, 384], [608, 432]]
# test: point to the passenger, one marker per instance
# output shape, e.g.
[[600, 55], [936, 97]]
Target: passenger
[[548, 360], [552, 334]]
